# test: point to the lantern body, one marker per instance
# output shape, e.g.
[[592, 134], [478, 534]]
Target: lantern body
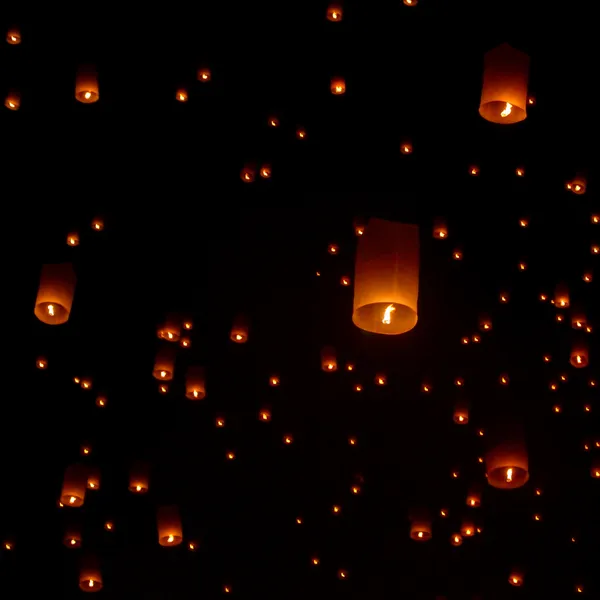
[[516, 578], [328, 359], [93, 478], [86, 86], [170, 330], [579, 354], [90, 576], [337, 86], [420, 529], [335, 12], [595, 469], [13, 36], [386, 279], [578, 185], [72, 537], [164, 364], [461, 413], [139, 478], [13, 101], [505, 80], [467, 528], [561, 296], [195, 383], [440, 229], [507, 465], [169, 526], [74, 486], [239, 330], [55, 294], [203, 75]]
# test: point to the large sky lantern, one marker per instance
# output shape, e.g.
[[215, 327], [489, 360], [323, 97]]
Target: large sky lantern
[[86, 85], [505, 82], [170, 532], [55, 293], [74, 486], [507, 460], [420, 525], [239, 329], [170, 329], [139, 478], [195, 383], [164, 364], [90, 575], [386, 278], [328, 359]]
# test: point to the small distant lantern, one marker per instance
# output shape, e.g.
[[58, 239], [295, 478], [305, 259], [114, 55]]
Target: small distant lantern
[[247, 174], [169, 526], [72, 537], [474, 171], [239, 330], [86, 85], [578, 319], [55, 293], [139, 478], [516, 578], [170, 330], [164, 364], [420, 526], [337, 86], [456, 539], [505, 81], [181, 95], [13, 100], [93, 479], [335, 12], [98, 224], [41, 363], [301, 133], [386, 280], [406, 147], [561, 296], [461, 412], [410, 2], [579, 354], [204, 75], [195, 383], [507, 463], [467, 528], [474, 496], [90, 576], [328, 359], [13, 36], [359, 227], [595, 469], [577, 185], [74, 486], [73, 239], [440, 229]]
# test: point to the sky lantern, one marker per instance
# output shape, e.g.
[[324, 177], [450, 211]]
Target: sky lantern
[[55, 293], [86, 85], [335, 12], [507, 463], [139, 478], [164, 364], [386, 280], [74, 486], [195, 383], [505, 81], [13, 36], [170, 330], [239, 330], [328, 359], [169, 526], [90, 576]]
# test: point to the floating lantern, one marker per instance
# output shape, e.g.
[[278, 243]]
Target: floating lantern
[[73, 239], [335, 12], [72, 537], [328, 359], [170, 330], [181, 95], [386, 280], [561, 296], [55, 293], [86, 85], [440, 229], [139, 478], [239, 330], [13, 36], [13, 100], [406, 147], [461, 412], [474, 496], [204, 75], [247, 174], [90, 576], [337, 86], [507, 463], [164, 364], [169, 526], [93, 478], [505, 80], [74, 486], [579, 354], [195, 383], [577, 185], [516, 578], [420, 526]]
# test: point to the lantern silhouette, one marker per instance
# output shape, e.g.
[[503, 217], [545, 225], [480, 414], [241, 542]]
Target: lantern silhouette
[[139, 478], [74, 486], [337, 86], [169, 526], [328, 359], [386, 280], [505, 81], [164, 364], [195, 383], [55, 294], [90, 576], [170, 330], [86, 85], [507, 463], [239, 330]]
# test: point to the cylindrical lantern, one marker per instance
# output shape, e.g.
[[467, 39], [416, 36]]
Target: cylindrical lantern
[[55, 294], [467, 528], [420, 526], [72, 537], [474, 496], [73, 239], [170, 330], [516, 578], [93, 478], [164, 364], [579, 354], [461, 412], [505, 80], [578, 319], [561, 296], [335, 12], [337, 86], [577, 185], [386, 280], [195, 383], [90, 576], [440, 229], [328, 359], [507, 463], [595, 469], [74, 486], [139, 478], [169, 526], [13, 100], [203, 74], [86, 85], [239, 330], [13, 36]]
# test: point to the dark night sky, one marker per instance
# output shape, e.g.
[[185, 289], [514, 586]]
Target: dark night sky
[[184, 233]]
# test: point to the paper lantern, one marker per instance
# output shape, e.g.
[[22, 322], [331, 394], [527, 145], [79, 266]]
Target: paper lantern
[[13, 36], [386, 280], [204, 75], [516, 578], [474, 496], [195, 383], [420, 526], [164, 364], [579, 354], [74, 486], [139, 478], [72, 537], [170, 330], [90, 576], [328, 359], [337, 86], [239, 330], [13, 100], [86, 85], [561, 296], [169, 526], [93, 478], [461, 412], [55, 293], [507, 464], [577, 185], [505, 80], [335, 12]]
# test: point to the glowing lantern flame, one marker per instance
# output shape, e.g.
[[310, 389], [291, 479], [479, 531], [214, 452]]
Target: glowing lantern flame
[[509, 475], [507, 110], [387, 314]]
